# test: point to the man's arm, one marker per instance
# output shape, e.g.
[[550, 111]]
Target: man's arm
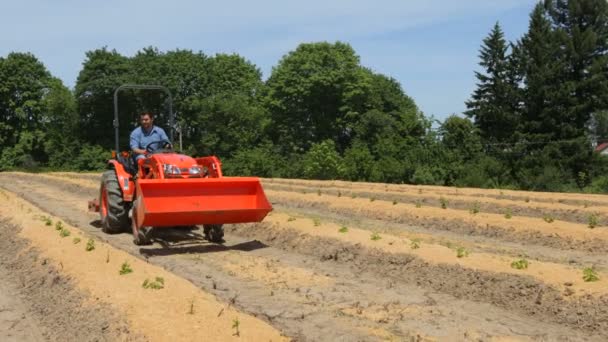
[[134, 143]]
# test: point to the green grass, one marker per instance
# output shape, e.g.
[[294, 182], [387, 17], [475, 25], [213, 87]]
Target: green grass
[[375, 237], [76, 240], [316, 222], [372, 199], [520, 264], [395, 202], [156, 284], [548, 218], [90, 245], [58, 225], [235, 325], [508, 213], [47, 220], [590, 274], [125, 268], [319, 193], [64, 233], [444, 203], [343, 229], [291, 218], [418, 204], [462, 252], [339, 193]]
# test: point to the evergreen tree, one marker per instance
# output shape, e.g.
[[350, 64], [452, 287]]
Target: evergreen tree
[[493, 104]]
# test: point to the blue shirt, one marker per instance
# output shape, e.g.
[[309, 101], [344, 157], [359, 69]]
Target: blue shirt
[[140, 138]]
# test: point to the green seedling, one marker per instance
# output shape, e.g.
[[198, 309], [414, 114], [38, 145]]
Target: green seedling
[[375, 237], [527, 199], [125, 268], [508, 213], [58, 225], [474, 208], [156, 284], [47, 220], [593, 220], [319, 193], [548, 218], [462, 252], [589, 274], [316, 222], [339, 193], [418, 204], [343, 229], [415, 244], [235, 326], [395, 202], [586, 204], [76, 240], [291, 218], [90, 245], [353, 196], [444, 202], [64, 233], [372, 199], [520, 264]]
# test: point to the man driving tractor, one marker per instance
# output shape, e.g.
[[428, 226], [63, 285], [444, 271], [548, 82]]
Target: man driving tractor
[[145, 134]]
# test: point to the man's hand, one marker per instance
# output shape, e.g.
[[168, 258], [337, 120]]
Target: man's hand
[[139, 151]]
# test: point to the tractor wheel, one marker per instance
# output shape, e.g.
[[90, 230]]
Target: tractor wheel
[[113, 211], [214, 232]]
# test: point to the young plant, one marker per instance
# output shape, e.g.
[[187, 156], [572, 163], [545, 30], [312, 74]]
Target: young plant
[[58, 225], [291, 218], [418, 204], [156, 284], [47, 220], [339, 193], [592, 220], [415, 244], [353, 196], [319, 192], [64, 233], [125, 268], [76, 240], [508, 213], [375, 237], [520, 264], [444, 202], [372, 199], [589, 274], [474, 208], [462, 252], [527, 199], [90, 245], [548, 218], [395, 202], [235, 326], [343, 229], [316, 222]]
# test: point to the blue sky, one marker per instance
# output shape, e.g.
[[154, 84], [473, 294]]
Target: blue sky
[[431, 47]]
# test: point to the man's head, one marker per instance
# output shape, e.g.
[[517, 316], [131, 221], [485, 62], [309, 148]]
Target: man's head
[[146, 120]]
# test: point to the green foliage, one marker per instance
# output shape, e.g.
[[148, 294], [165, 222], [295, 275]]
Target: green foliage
[[64, 233], [76, 240], [443, 202], [291, 218], [343, 229], [548, 218], [475, 208], [90, 245], [235, 325], [593, 220], [47, 221], [508, 213], [316, 222], [462, 252], [375, 236], [520, 264], [125, 268], [590, 275], [418, 204], [58, 225], [322, 161], [156, 284], [415, 244]]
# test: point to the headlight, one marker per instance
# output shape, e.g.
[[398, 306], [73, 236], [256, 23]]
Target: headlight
[[195, 170], [171, 170]]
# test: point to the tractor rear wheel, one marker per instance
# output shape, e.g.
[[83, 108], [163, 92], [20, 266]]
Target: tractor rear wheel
[[113, 210], [214, 232]]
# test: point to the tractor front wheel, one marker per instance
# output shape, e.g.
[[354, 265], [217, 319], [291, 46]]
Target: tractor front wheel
[[113, 213], [214, 232]]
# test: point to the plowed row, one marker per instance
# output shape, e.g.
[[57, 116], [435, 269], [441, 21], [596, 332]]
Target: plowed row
[[361, 261]]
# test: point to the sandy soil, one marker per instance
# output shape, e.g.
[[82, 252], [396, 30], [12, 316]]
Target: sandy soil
[[299, 274]]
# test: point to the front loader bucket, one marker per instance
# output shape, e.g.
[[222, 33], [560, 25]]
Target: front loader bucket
[[197, 201]]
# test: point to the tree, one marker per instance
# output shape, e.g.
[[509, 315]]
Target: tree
[[493, 105]]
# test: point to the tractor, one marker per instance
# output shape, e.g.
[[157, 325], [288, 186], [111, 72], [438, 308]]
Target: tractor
[[170, 189]]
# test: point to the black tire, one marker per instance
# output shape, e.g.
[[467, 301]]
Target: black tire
[[116, 220], [214, 232]]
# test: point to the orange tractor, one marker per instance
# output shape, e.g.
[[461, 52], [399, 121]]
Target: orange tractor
[[168, 189]]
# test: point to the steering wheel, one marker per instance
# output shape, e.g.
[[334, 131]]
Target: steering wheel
[[160, 144]]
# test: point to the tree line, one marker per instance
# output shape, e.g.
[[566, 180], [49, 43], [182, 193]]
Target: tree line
[[540, 104]]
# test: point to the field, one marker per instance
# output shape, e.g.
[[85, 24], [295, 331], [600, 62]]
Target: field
[[334, 261]]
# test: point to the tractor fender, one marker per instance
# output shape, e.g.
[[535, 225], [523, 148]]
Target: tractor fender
[[127, 185]]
